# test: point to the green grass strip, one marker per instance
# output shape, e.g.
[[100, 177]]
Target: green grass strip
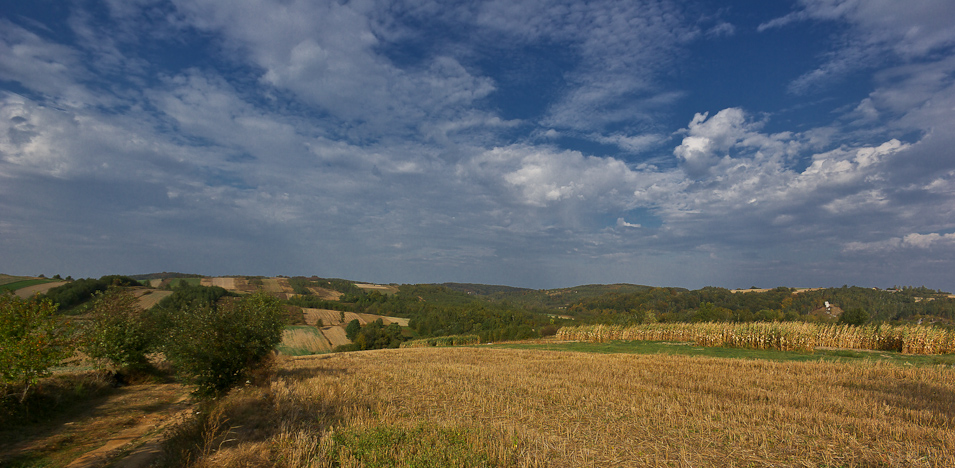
[[690, 349]]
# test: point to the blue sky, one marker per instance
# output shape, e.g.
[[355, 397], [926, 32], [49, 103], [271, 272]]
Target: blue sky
[[535, 143]]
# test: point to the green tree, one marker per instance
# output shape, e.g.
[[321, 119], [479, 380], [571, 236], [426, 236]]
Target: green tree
[[352, 329], [214, 347], [855, 316], [32, 340], [117, 332]]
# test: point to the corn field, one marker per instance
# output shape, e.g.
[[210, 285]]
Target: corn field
[[783, 336]]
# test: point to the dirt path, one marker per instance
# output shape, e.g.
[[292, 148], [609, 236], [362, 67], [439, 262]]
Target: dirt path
[[125, 426]]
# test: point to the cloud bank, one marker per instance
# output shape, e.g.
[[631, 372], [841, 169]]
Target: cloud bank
[[530, 144]]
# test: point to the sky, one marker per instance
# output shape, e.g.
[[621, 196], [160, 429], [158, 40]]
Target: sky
[[533, 143]]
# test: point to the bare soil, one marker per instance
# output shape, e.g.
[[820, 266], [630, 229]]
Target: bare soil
[[150, 297], [127, 423], [29, 291]]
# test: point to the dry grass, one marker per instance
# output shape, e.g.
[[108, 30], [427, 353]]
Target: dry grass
[[222, 282], [384, 289], [784, 336], [150, 297], [562, 409], [333, 317], [299, 340], [327, 294], [29, 291], [336, 336]]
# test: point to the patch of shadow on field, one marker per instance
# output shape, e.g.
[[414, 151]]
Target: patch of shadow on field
[[913, 396], [309, 372]]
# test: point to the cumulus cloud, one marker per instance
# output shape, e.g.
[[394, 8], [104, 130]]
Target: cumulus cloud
[[712, 140], [329, 128]]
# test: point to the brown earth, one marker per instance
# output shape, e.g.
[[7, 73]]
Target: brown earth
[[222, 282], [150, 297], [127, 422], [333, 317], [29, 291], [326, 294], [336, 336]]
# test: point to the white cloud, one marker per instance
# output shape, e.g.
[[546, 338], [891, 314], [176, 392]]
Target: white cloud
[[543, 176], [622, 223], [711, 141], [877, 28], [43, 66], [620, 50], [325, 53], [909, 241]]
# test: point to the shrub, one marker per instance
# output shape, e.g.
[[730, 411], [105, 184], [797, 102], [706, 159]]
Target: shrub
[[215, 347], [32, 340], [856, 316], [77, 292], [352, 329], [117, 331]]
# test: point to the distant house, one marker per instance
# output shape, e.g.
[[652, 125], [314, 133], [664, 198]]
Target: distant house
[[829, 310]]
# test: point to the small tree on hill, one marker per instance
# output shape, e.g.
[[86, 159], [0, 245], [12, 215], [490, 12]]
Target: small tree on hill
[[32, 340], [352, 329], [117, 332], [214, 347]]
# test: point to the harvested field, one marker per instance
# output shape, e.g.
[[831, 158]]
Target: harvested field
[[276, 285], [300, 340], [326, 294], [150, 297], [333, 317], [222, 282], [7, 279], [797, 290], [566, 409], [29, 291], [382, 288], [335, 336], [327, 317], [368, 318]]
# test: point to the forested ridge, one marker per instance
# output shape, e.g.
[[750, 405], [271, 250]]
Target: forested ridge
[[496, 312]]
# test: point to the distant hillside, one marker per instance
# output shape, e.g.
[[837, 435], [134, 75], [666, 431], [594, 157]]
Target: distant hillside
[[544, 298], [164, 275]]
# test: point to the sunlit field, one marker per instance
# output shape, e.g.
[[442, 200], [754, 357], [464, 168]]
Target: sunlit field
[[486, 406]]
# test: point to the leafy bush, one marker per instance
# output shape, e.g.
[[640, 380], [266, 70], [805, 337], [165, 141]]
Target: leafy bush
[[214, 347], [352, 329], [377, 335], [32, 340], [117, 332], [855, 316], [77, 292], [186, 296]]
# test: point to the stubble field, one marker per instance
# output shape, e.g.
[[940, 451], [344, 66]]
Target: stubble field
[[508, 407]]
